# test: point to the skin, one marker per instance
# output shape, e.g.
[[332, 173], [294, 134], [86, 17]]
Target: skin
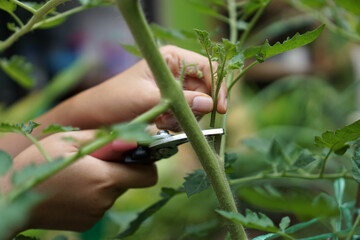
[[102, 177]]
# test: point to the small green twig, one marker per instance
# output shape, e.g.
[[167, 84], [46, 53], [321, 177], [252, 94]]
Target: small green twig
[[253, 22], [163, 106], [24, 6], [217, 90], [59, 16], [183, 71], [39, 147], [351, 233], [28, 26], [238, 77], [17, 19], [324, 19], [281, 175], [323, 162]]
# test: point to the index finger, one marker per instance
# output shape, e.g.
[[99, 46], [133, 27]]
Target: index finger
[[174, 57]]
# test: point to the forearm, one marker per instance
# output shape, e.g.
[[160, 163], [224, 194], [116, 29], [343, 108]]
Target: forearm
[[68, 113]]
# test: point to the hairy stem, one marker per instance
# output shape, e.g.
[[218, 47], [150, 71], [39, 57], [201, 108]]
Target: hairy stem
[[253, 22], [217, 90], [28, 26], [170, 90]]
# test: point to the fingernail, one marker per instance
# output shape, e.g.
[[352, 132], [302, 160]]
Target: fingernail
[[202, 104], [225, 104]]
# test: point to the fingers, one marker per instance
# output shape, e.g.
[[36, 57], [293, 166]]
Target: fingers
[[125, 176], [175, 57], [114, 151], [199, 103]]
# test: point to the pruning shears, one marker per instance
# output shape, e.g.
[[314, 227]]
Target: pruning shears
[[164, 146]]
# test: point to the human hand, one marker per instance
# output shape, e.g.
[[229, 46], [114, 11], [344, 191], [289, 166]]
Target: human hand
[[134, 91], [79, 195]]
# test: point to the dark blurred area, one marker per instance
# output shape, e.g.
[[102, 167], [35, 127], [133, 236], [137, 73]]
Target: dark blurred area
[[93, 33]]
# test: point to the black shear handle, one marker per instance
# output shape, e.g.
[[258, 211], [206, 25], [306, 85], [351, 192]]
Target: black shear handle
[[140, 155]]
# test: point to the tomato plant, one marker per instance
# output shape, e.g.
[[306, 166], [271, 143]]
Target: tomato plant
[[221, 171]]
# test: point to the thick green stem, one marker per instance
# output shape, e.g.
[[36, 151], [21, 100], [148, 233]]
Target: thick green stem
[[351, 234], [170, 90], [28, 27], [252, 23], [232, 22]]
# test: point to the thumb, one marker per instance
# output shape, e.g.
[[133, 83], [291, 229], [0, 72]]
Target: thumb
[[200, 103]]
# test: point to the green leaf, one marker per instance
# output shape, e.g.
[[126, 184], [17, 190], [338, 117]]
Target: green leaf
[[5, 162], [204, 39], [166, 194], [23, 237], [13, 214], [242, 25], [337, 140], [251, 220], [284, 224], [55, 128], [265, 51], [12, 27], [229, 48], [350, 5], [304, 159], [133, 49], [300, 204], [19, 70], [51, 22], [136, 132], [92, 3], [257, 144], [276, 154], [7, 6], [290, 230], [356, 164], [203, 7], [315, 3], [237, 62], [171, 34], [200, 230], [32, 171], [196, 182], [339, 188], [18, 128]]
